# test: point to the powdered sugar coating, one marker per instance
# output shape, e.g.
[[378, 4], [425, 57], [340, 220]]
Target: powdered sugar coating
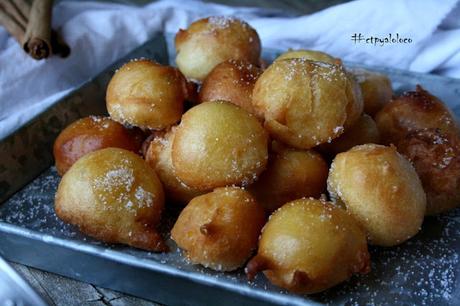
[[223, 22], [422, 271]]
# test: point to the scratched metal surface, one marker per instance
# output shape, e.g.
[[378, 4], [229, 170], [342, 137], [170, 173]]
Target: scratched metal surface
[[424, 270]]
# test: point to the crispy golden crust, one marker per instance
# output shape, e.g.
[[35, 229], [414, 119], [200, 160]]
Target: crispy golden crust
[[308, 246], [414, 110], [231, 81], [381, 189], [291, 174], [210, 41], [90, 134], [114, 196], [306, 103], [355, 109], [356, 105], [219, 144], [159, 157], [148, 95], [436, 158], [219, 230], [363, 131], [375, 88], [311, 55]]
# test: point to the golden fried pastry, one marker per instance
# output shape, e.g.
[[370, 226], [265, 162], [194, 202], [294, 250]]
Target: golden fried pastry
[[159, 157], [219, 144], [436, 158], [291, 174], [309, 245], [363, 131], [381, 189], [219, 230], [114, 196], [375, 88], [306, 103], [311, 55], [231, 81], [414, 110], [210, 41], [146, 94], [90, 134]]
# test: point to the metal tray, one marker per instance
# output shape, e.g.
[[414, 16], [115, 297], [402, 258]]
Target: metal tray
[[424, 270]]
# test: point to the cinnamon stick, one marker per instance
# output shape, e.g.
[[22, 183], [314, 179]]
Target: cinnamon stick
[[12, 25], [37, 39], [58, 45], [12, 9], [23, 6], [14, 15]]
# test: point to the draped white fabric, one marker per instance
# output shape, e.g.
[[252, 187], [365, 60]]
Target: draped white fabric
[[100, 33]]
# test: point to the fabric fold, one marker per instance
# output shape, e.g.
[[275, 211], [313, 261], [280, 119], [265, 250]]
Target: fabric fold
[[100, 33]]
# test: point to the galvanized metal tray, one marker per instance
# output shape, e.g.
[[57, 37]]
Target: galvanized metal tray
[[424, 270]]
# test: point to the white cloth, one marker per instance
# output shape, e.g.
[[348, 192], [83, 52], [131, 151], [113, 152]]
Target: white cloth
[[100, 33]]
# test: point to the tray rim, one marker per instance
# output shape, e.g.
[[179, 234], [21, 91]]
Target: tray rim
[[114, 255], [118, 61], [157, 266], [79, 86]]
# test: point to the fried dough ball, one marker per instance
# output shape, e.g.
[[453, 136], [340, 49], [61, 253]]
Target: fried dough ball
[[311, 55], [219, 230], [414, 110], [90, 134], [436, 158], [112, 195], [362, 132], [231, 81], [147, 95], [159, 157], [306, 103], [219, 144], [210, 41], [381, 189], [309, 245], [375, 88], [291, 174]]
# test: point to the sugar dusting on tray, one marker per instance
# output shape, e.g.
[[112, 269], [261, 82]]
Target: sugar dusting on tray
[[423, 270], [33, 207]]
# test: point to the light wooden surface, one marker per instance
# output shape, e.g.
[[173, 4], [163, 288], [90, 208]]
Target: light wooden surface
[[58, 290], [61, 291]]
